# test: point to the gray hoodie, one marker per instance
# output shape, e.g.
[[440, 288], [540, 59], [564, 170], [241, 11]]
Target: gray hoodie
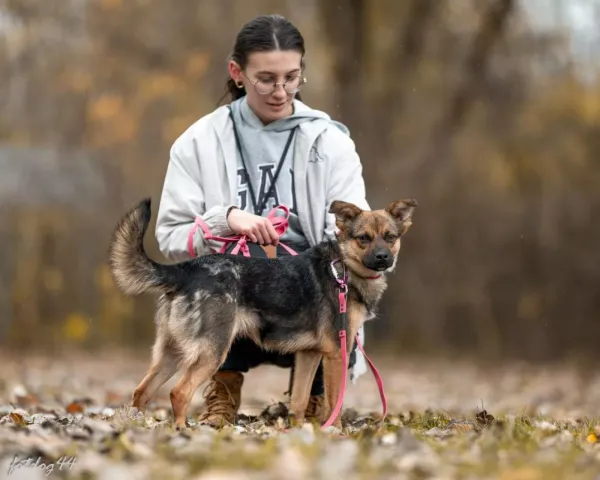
[[262, 147]]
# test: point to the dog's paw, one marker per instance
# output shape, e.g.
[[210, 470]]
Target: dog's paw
[[295, 421], [182, 426], [333, 430]]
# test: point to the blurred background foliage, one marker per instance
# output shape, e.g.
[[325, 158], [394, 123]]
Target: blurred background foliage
[[486, 111]]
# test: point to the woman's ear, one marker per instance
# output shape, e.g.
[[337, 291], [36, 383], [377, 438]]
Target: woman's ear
[[235, 72]]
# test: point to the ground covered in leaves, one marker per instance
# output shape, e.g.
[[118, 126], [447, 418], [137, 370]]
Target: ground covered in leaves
[[448, 420]]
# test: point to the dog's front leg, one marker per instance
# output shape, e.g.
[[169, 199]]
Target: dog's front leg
[[305, 368], [333, 369]]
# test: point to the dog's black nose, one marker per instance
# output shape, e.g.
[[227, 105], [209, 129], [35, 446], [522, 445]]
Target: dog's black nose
[[379, 259], [383, 256]]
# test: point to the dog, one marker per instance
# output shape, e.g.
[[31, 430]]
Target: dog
[[289, 304]]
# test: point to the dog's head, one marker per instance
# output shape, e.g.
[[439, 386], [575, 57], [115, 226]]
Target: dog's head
[[370, 240]]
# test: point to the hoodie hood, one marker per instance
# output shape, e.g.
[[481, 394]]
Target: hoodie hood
[[302, 113]]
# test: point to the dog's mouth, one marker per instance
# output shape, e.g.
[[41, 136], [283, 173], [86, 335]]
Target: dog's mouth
[[378, 263], [378, 268]]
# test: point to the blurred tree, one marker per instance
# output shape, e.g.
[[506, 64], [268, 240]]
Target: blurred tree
[[463, 104]]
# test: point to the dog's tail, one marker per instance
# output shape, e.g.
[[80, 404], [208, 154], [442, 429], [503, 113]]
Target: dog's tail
[[134, 272]]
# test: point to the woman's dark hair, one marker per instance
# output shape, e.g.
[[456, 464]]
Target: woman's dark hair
[[263, 34]]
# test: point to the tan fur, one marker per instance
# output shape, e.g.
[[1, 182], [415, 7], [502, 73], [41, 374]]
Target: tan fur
[[300, 341], [246, 325]]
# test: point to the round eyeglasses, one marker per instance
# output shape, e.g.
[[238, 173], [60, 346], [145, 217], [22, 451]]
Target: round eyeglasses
[[268, 86]]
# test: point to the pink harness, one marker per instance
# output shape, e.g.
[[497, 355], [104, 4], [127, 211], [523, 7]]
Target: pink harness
[[281, 224]]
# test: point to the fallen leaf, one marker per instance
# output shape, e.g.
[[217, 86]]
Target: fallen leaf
[[273, 412], [113, 398], [484, 418], [74, 407], [17, 418], [461, 426], [28, 400]]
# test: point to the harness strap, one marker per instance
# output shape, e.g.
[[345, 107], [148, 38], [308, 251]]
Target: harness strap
[[279, 223]]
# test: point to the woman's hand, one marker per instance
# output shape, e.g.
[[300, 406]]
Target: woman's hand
[[258, 229]]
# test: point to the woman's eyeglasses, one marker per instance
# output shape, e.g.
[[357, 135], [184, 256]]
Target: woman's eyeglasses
[[268, 86]]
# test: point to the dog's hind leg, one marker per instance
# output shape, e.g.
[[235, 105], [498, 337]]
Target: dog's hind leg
[[204, 355], [165, 359], [181, 395], [164, 365], [305, 368]]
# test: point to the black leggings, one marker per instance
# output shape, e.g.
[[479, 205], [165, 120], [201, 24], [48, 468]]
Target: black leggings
[[244, 354]]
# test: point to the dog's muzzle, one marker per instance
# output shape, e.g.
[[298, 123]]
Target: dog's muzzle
[[379, 260]]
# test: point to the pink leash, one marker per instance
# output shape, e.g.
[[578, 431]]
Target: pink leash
[[343, 285], [281, 224]]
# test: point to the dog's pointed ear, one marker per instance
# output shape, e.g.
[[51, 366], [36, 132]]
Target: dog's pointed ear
[[344, 212], [402, 210]]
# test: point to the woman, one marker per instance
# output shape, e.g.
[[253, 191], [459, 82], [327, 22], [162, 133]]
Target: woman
[[234, 165]]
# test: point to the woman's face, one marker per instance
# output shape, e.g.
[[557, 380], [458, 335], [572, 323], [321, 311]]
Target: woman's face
[[264, 69]]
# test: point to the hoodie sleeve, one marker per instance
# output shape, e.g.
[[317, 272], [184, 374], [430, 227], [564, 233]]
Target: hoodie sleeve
[[182, 200], [346, 181]]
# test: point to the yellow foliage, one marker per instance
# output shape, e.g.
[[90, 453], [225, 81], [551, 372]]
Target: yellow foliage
[[111, 4], [197, 64], [591, 438], [522, 473], [500, 174], [173, 127], [115, 308], [530, 306], [104, 279], [565, 99], [121, 130], [161, 85], [20, 138], [53, 279], [590, 108], [105, 108], [75, 81], [126, 128], [76, 327]]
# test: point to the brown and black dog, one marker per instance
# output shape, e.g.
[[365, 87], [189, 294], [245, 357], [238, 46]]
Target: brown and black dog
[[288, 305]]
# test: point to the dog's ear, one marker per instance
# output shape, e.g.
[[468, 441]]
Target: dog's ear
[[344, 212], [402, 210]]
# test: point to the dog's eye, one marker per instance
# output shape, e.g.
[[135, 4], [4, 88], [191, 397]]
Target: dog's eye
[[390, 237], [363, 238]]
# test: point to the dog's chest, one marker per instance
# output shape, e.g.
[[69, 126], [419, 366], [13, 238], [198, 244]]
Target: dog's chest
[[358, 313], [370, 315], [368, 295]]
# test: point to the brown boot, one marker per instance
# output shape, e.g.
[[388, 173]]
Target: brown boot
[[222, 399], [314, 408]]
